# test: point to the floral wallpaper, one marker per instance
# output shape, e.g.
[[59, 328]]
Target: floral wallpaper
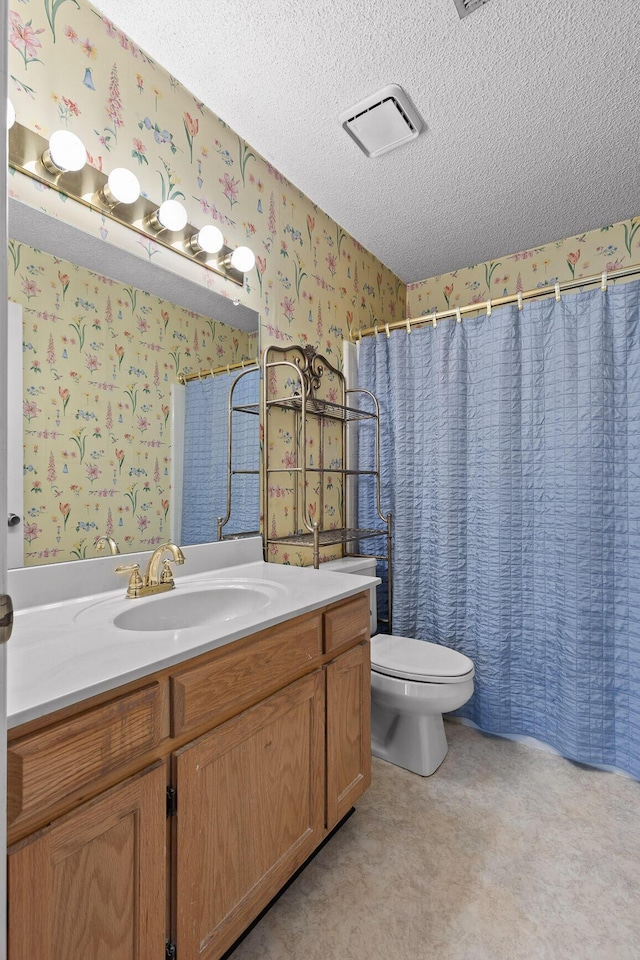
[[313, 283], [610, 248], [100, 359], [70, 67]]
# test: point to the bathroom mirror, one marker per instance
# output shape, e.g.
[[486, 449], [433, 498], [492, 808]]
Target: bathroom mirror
[[105, 334], [221, 457]]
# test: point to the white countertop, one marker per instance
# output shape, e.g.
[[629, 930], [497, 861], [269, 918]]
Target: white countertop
[[63, 652]]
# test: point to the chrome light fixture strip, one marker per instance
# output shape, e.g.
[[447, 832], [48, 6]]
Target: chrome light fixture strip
[[27, 147]]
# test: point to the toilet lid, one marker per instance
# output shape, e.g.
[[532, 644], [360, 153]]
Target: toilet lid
[[413, 659]]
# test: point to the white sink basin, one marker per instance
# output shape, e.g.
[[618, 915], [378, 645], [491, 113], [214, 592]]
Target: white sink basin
[[185, 607]]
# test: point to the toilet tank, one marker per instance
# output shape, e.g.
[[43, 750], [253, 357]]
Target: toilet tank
[[364, 567]]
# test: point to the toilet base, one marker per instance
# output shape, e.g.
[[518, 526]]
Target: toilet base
[[415, 742]]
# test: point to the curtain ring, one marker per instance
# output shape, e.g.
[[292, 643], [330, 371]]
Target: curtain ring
[[375, 328], [434, 319], [386, 330], [211, 373], [359, 335], [458, 315], [489, 308], [604, 281], [242, 362], [558, 298], [200, 375], [519, 299], [408, 322], [228, 370]]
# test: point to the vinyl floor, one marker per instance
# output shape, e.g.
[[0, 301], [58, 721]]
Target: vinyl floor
[[506, 853]]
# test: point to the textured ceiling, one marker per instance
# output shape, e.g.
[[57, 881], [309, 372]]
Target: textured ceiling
[[532, 112]]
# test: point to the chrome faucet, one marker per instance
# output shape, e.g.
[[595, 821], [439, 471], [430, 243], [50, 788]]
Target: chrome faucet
[[154, 579], [103, 542]]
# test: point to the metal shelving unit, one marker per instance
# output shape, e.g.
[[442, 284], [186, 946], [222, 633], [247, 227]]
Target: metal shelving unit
[[293, 381]]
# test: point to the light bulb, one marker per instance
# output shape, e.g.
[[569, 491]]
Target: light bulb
[[171, 215], [122, 187], [209, 239], [65, 153], [11, 114], [243, 259]]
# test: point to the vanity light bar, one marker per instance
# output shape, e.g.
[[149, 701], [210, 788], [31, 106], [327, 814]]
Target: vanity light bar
[[90, 187]]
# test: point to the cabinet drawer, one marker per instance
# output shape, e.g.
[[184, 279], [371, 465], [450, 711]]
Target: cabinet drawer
[[60, 760], [243, 673], [347, 624]]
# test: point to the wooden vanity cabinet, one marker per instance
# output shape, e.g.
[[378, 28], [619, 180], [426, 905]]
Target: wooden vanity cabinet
[[251, 810], [348, 731], [110, 870], [93, 884]]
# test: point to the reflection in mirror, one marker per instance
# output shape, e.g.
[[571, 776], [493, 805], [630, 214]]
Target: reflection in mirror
[[100, 358], [221, 457]]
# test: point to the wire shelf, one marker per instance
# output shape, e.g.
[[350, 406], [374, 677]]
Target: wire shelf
[[338, 471], [322, 408], [329, 537]]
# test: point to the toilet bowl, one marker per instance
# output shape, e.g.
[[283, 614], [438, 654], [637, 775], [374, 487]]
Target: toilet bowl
[[413, 682]]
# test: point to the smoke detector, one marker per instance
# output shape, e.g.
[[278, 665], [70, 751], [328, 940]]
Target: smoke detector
[[382, 121], [465, 7]]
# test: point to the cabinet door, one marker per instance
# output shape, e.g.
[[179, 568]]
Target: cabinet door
[[92, 885], [348, 730], [250, 812]]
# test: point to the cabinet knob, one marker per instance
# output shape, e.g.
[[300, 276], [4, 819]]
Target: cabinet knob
[[14, 520]]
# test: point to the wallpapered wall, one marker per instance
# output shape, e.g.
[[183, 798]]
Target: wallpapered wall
[[70, 67], [609, 248], [313, 283], [99, 362]]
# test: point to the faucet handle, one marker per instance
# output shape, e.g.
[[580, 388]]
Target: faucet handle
[[167, 573], [135, 580]]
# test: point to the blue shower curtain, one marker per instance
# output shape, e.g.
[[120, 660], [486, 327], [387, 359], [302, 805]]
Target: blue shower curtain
[[204, 496], [511, 463]]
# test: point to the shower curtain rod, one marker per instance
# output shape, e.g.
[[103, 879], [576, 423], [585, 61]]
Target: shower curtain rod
[[214, 371], [487, 305]]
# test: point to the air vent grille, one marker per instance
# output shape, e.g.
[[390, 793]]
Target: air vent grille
[[383, 121], [465, 7], [381, 103]]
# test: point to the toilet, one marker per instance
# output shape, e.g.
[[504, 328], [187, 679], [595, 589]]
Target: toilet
[[413, 682]]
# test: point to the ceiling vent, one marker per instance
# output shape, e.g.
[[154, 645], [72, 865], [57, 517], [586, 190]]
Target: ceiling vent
[[383, 121], [465, 7]]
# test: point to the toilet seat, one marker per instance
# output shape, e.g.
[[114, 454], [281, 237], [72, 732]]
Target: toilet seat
[[410, 659]]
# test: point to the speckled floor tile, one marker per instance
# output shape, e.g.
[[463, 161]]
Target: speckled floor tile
[[506, 853]]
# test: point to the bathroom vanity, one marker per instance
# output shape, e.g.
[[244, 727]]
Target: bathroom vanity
[[163, 813]]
